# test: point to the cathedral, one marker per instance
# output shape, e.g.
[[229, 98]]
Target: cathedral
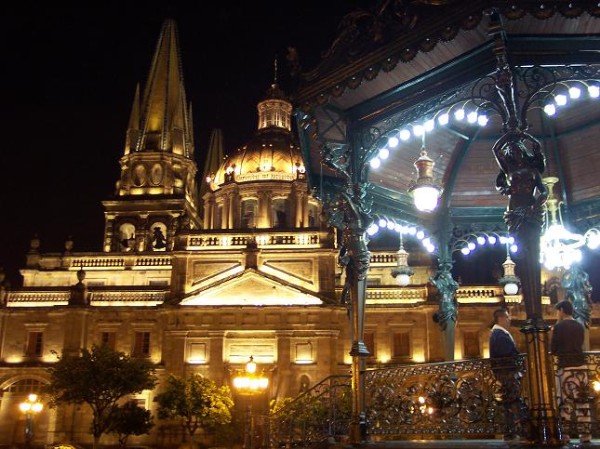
[[199, 272]]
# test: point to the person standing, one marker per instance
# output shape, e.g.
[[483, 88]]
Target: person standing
[[505, 366], [566, 344]]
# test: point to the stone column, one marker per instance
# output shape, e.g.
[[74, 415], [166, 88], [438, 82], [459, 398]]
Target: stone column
[[263, 220], [209, 212], [283, 383], [174, 349], [225, 215], [232, 210], [215, 356]]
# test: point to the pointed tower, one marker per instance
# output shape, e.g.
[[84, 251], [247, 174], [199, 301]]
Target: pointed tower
[[156, 192], [214, 159], [213, 162]]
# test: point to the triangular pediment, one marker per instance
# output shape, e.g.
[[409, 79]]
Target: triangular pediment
[[251, 289]]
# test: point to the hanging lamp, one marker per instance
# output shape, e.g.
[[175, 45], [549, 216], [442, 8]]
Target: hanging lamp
[[559, 247], [425, 190]]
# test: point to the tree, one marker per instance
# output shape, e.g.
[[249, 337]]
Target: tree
[[198, 401], [99, 377], [129, 419]]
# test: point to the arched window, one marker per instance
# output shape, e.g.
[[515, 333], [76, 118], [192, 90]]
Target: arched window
[[313, 215], [304, 383], [127, 236], [158, 236], [218, 224], [280, 213], [249, 212]]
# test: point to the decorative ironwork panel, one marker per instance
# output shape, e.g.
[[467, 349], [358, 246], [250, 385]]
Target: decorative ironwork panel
[[321, 413], [577, 394], [452, 399]]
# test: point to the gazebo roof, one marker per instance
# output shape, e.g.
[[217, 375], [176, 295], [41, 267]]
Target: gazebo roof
[[408, 62]]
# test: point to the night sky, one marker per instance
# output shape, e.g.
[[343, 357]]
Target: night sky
[[69, 77]]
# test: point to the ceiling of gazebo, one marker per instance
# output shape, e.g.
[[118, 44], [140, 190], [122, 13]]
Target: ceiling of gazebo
[[382, 87]]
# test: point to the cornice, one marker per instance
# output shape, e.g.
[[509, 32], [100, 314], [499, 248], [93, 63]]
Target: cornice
[[376, 40]]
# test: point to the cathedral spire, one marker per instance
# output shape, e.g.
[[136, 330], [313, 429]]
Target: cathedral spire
[[214, 159], [133, 128], [156, 194], [162, 120]]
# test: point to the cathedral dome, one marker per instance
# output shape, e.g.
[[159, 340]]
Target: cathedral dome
[[273, 154], [262, 185]]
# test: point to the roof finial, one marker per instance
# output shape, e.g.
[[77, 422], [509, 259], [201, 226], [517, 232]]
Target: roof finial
[[275, 71]]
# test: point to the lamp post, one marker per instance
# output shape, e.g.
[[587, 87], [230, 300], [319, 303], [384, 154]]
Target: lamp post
[[250, 383], [31, 407]]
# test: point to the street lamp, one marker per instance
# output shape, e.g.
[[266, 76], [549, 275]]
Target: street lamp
[[250, 383], [31, 407]]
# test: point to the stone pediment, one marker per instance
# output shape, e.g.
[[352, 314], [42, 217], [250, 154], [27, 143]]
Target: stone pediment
[[303, 271], [208, 273], [251, 289]]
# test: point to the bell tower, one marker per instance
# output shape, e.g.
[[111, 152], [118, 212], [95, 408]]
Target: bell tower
[[156, 193]]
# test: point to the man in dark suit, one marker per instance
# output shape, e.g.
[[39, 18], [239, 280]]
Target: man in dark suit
[[572, 381], [505, 366]]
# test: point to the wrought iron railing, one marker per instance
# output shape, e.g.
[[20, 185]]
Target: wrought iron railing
[[466, 399], [480, 398], [435, 400], [577, 389], [319, 414]]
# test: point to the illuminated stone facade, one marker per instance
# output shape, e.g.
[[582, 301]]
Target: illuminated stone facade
[[256, 275]]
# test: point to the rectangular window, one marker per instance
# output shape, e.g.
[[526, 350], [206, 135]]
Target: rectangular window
[[304, 353], [401, 346], [471, 344], [141, 346], [108, 339], [197, 352], [35, 344]]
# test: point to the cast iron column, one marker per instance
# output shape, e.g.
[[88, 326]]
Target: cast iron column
[[447, 313], [522, 163], [356, 282], [350, 212]]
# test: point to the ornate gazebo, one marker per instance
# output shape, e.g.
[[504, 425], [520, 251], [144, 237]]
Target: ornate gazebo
[[484, 103]]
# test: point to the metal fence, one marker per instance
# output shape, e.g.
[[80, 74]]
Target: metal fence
[[480, 398]]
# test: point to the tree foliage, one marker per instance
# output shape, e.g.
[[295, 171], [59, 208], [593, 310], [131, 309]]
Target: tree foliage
[[130, 419], [99, 377], [198, 401]]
